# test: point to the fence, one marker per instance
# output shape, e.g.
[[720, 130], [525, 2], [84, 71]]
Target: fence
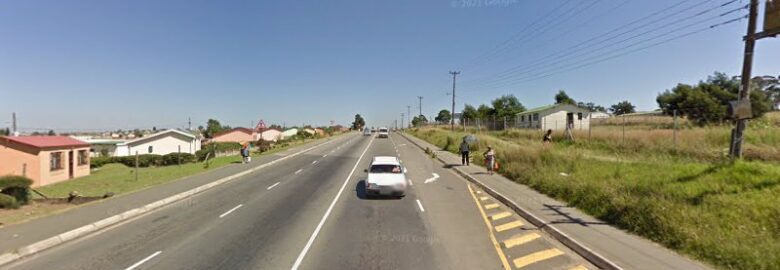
[[643, 132]]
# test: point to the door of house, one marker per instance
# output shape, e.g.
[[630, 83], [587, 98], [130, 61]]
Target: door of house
[[70, 164], [569, 120]]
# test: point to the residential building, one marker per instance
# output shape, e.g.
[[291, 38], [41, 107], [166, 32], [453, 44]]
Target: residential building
[[555, 117], [103, 147], [269, 134], [161, 143], [238, 135], [44, 159], [599, 115], [288, 133]]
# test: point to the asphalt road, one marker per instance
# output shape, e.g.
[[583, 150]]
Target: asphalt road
[[307, 212]]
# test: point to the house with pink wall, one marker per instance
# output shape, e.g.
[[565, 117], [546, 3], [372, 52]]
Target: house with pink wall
[[44, 159], [239, 135]]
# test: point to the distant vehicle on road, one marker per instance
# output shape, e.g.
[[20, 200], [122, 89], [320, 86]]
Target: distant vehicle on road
[[373, 130], [383, 132], [366, 132], [386, 177]]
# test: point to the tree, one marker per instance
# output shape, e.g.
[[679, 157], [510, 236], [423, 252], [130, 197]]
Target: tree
[[563, 98], [419, 120], [5, 132], [213, 127], [708, 101], [622, 107], [443, 117], [507, 106], [138, 133], [469, 113], [484, 111], [591, 106], [51, 133], [359, 122]]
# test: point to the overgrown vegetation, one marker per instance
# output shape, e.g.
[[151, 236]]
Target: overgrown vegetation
[[716, 210], [14, 191]]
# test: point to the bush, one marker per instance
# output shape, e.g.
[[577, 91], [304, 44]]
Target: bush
[[97, 162], [263, 145], [16, 187], [216, 147], [173, 158], [8, 202]]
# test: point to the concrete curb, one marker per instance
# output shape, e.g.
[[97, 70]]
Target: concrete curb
[[96, 226], [581, 249]]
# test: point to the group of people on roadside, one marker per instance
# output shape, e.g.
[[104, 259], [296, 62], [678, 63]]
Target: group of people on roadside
[[490, 155]]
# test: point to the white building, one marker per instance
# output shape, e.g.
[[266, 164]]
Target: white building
[[161, 143], [270, 135], [599, 115], [288, 133], [555, 117]]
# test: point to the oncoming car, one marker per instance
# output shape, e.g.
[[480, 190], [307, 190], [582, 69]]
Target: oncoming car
[[366, 132], [386, 177], [383, 133]]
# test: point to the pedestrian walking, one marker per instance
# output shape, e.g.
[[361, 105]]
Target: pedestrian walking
[[245, 153], [464, 153], [490, 159]]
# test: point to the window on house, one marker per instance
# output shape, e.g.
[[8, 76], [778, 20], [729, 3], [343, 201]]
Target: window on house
[[55, 161], [83, 159], [579, 116], [536, 117], [522, 118], [150, 149]]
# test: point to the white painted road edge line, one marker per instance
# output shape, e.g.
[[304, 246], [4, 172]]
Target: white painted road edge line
[[420, 205], [327, 212], [272, 186], [144, 260], [231, 210]]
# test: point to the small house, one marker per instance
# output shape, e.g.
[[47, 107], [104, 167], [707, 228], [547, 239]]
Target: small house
[[44, 159], [237, 135], [160, 143], [269, 134], [555, 117], [288, 134]]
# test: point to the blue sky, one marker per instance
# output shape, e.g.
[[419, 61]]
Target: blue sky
[[79, 65]]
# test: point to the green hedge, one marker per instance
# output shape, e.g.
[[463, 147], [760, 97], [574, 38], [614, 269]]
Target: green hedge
[[173, 158], [8, 202], [214, 148], [15, 187]]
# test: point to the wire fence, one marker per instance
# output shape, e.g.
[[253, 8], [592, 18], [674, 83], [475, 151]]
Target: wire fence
[[674, 134]]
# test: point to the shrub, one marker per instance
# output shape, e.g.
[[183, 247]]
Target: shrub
[[216, 147], [97, 162], [144, 160], [263, 145], [8, 202], [174, 158], [17, 187]]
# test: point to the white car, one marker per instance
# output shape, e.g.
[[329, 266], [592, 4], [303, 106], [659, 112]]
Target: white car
[[383, 132], [386, 176]]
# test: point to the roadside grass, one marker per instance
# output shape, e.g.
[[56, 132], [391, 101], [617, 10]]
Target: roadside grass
[[723, 212], [119, 179]]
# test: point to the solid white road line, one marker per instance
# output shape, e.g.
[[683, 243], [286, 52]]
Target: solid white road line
[[230, 211], [327, 212], [420, 205], [272, 186], [144, 260], [435, 176], [298, 171]]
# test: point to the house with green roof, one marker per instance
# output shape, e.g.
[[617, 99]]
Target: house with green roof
[[555, 117]]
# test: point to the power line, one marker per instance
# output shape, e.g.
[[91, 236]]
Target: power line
[[559, 60], [577, 48], [540, 76]]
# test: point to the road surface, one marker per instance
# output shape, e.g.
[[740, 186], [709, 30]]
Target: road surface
[[309, 212]]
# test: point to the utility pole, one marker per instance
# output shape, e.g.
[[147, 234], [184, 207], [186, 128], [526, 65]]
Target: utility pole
[[13, 125], [402, 120], [744, 92], [189, 123], [409, 114], [452, 113], [420, 98]]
